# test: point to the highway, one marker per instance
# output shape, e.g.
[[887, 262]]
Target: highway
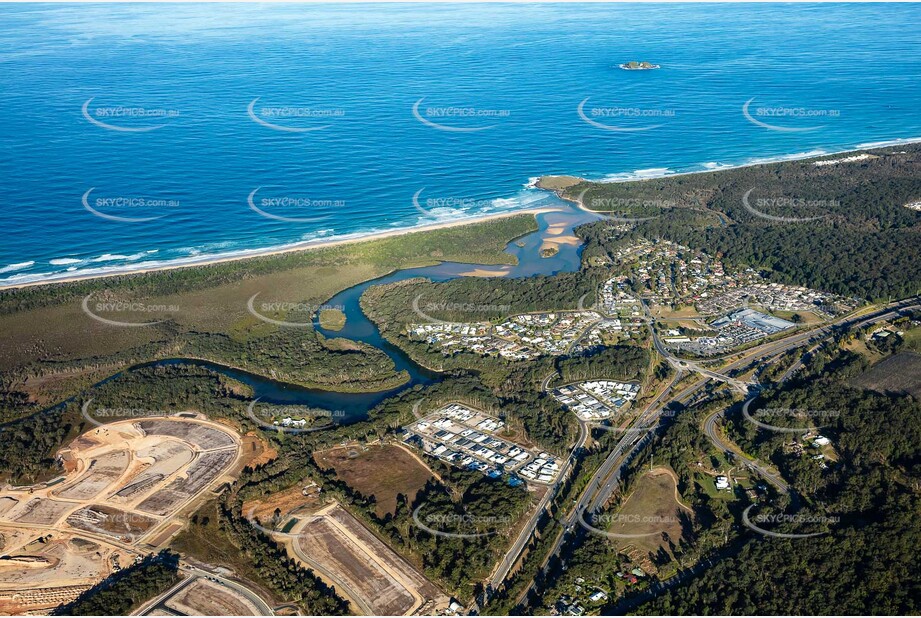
[[711, 428], [511, 557], [607, 477], [683, 365], [626, 444]]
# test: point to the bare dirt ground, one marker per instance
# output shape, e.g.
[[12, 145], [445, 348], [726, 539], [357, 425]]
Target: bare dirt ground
[[103, 471], [256, 451], [380, 471], [7, 503], [205, 469], [653, 508], [382, 581], [111, 521], [42, 511], [165, 534], [287, 501], [37, 600], [206, 598], [40, 576], [63, 539]]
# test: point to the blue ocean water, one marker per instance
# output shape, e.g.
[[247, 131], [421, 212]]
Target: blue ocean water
[[312, 108]]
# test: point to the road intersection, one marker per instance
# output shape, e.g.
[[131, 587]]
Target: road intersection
[[607, 478]]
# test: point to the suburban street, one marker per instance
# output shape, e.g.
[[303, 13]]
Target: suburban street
[[607, 477], [712, 430], [191, 574]]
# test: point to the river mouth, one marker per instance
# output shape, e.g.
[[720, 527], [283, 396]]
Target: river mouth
[[559, 222], [352, 407]]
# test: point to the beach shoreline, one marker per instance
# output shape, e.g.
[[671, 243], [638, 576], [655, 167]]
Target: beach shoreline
[[309, 245], [804, 156], [559, 183], [537, 183]]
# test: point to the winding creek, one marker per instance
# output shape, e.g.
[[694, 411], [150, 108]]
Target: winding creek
[[351, 407], [558, 222]]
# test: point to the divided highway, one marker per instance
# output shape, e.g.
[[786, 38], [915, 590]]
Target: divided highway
[[607, 477], [711, 428]]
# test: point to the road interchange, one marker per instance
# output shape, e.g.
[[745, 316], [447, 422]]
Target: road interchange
[[607, 478]]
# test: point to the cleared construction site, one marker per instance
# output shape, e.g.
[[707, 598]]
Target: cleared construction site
[[124, 484], [197, 595], [362, 568]]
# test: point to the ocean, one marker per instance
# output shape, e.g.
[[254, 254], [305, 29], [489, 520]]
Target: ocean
[[135, 136]]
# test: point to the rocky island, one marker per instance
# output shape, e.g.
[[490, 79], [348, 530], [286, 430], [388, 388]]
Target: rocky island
[[633, 65]]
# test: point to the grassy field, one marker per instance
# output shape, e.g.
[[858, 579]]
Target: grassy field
[[50, 348], [912, 339], [808, 317], [654, 508], [557, 182], [859, 346], [332, 319], [660, 311], [380, 471], [899, 374], [708, 484]]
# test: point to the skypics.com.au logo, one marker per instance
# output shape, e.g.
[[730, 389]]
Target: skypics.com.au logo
[[811, 417], [287, 308], [769, 117], [110, 522], [601, 524], [127, 119], [460, 525], [100, 415], [104, 206], [622, 119], [761, 523], [283, 207], [788, 204], [293, 419], [422, 309], [457, 119], [449, 206], [612, 208], [293, 118], [122, 308]]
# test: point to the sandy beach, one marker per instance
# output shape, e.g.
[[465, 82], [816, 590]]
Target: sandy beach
[[555, 183], [558, 183], [259, 253]]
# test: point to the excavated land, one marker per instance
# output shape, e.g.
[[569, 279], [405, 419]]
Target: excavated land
[[124, 483], [379, 580]]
